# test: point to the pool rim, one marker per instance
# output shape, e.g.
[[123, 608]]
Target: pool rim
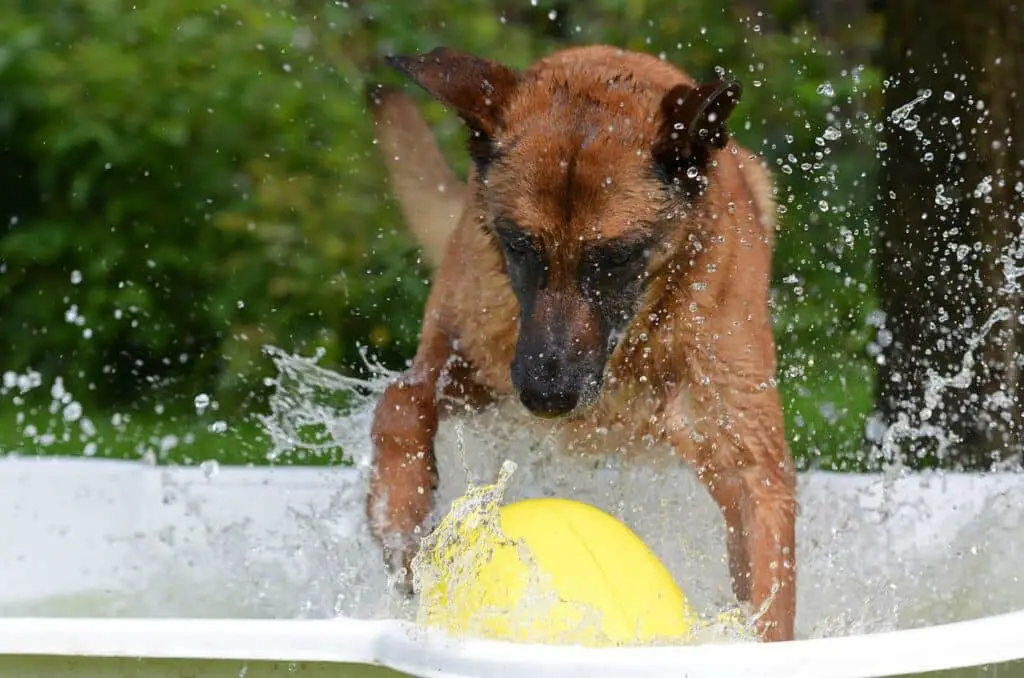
[[400, 646]]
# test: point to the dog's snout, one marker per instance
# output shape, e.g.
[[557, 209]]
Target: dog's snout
[[559, 358], [547, 367], [549, 403], [548, 386]]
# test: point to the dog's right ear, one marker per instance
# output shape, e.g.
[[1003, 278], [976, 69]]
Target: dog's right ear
[[694, 124], [476, 89]]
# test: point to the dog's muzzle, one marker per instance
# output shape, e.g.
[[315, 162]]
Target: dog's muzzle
[[550, 385]]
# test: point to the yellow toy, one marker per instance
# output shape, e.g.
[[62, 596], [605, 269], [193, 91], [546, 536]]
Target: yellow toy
[[583, 578]]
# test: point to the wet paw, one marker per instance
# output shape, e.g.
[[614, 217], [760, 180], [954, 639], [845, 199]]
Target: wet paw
[[398, 560]]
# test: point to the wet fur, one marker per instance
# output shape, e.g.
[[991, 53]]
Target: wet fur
[[576, 149]]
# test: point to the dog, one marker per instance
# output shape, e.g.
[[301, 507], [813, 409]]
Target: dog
[[607, 263]]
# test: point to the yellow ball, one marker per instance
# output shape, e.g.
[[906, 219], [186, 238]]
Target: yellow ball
[[598, 582]]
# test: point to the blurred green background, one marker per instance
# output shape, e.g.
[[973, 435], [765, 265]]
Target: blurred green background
[[183, 184]]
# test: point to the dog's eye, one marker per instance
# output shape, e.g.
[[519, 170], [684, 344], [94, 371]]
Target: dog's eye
[[621, 257], [517, 244], [518, 247]]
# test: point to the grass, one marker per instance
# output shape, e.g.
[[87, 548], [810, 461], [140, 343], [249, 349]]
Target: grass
[[826, 400], [825, 409], [172, 439]]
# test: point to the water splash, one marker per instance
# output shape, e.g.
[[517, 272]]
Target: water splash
[[654, 493], [911, 424], [900, 115], [452, 556], [872, 559], [309, 398]]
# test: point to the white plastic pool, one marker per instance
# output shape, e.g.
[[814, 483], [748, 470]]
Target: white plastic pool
[[123, 569]]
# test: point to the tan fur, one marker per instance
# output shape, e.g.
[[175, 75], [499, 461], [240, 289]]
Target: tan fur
[[696, 367]]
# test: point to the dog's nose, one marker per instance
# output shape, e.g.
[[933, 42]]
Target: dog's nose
[[549, 389], [548, 402]]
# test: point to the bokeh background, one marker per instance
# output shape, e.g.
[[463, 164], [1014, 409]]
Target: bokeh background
[[183, 184]]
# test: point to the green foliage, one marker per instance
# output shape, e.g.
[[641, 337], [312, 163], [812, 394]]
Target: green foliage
[[202, 168], [182, 184]]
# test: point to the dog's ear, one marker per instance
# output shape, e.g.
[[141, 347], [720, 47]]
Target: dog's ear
[[694, 123], [476, 89]]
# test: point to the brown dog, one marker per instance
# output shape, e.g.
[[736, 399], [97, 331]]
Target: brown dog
[[608, 263]]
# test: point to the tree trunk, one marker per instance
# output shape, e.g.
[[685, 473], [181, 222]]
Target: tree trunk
[[951, 204]]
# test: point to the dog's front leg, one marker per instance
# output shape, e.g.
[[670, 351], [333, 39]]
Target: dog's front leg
[[757, 490], [768, 510], [404, 474], [759, 507], [748, 472], [727, 491]]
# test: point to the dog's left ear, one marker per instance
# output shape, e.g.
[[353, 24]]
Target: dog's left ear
[[475, 88], [694, 123]]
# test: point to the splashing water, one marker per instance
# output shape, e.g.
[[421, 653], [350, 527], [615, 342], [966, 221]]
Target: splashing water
[[457, 549], [307, 396], [912, 424], [883, 583], [879, 556], [452, 556], [472, 452]]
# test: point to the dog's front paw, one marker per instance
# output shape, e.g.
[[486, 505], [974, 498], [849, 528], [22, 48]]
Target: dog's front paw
[[398, 554]]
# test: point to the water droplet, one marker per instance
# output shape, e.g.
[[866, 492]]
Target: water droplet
[[57, 390], [202, 401], [210, 468], [825, 89], [72, 411], [76, 277]]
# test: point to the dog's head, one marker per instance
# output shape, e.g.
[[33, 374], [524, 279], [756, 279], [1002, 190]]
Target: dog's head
[[585, 175]]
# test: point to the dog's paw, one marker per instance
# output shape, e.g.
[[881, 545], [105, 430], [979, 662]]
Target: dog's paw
[[402, 584], [398, 553]]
